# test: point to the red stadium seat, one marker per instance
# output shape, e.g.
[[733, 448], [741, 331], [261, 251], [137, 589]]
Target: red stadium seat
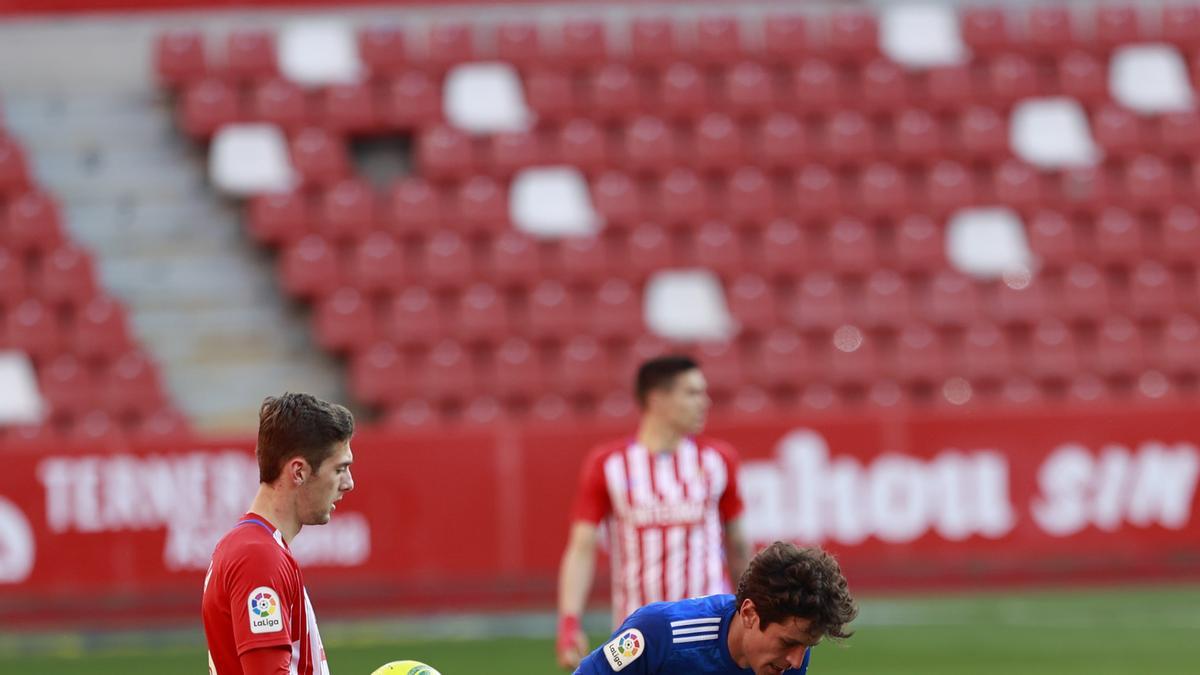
[[279, 218], [179, 57], [718, 248], [1181, 24], [983, 134], [749, 89], [446, 261], [349, 109], [887, 300], [985, 354], [1086, 388], [164, 423], [1152, 291], [618, 199], [583, 144], [817, 86], [752, 303], [1083, 77], [786, 37], [1118, 131], [511, 152], [517, 371], [553, 409], [449, 44], [379, 264], [1177, 135], [750, 197], [785, 250], [345, 321], [951, 299], [985, 29], [414, 318], [14, 281], [718, 40], [99, 330], [780, 141], [582, 259], [1117, 25], [917, 244], [883, 190], [250, 54], [648, 250], [883, 86], [583, 367], [818, 193], [319, 157], [518, 43], [853, 35], [1088, 189], [1018, 186], [1011, 78], [784, 361], [69, 385], [347, 210], [481, 205], [446, 373], [1050, 29], [1020, 303], [554, 312], [131, 385], [1149, 182], [1181, 234], [613, 92], [1083, 294], [67, 276], [1119, 350], [851, 246], [514, 260], [718, 142], [951, 88], [309, 268], [33, 327], [382, 49], [683, 92], [1118, 236], [649, 145], [581, 43], [819, 303], [616, 310], [683, 198], [653, 41], [415, 206], [918, 136], [1052, 353], [14, 171], [852, 358], [1179, 351], [723, 368], [207, 106], [481, 315], [1052, 239], [281, 103], [919, 356], [551, 94], [950, 186], [97, 427], [413, 415], [411, 101], [851, 138], [445, 153]]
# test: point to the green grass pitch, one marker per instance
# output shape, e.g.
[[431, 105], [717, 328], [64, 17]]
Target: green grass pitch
[[1153, 630]]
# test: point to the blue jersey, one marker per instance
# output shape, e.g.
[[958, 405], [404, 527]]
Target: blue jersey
[[687, 637]]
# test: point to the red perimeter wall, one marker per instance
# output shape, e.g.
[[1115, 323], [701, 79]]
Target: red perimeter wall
[[478, 519]]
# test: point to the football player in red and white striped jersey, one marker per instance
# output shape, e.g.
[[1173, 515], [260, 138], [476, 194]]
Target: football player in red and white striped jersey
[[669, 501]]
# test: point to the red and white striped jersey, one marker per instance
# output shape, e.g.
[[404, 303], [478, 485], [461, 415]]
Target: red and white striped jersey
[[254, 597], [665, 513]]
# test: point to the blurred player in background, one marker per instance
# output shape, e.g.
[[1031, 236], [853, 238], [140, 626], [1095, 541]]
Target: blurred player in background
[[670, 503], [257, 616], [787, 601]]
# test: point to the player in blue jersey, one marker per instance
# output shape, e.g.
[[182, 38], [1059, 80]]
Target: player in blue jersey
[[788, 599]]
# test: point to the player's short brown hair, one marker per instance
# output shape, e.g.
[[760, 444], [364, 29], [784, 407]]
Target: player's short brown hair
[[660, 373], [785, 581], [298, 425]]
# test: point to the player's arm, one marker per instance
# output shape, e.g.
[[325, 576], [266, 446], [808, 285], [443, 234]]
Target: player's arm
[[639, 647], [574, 582], [737, 549], [267, 661]]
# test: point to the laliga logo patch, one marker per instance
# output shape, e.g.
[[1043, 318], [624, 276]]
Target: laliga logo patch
[[265, 616], [625, 648]]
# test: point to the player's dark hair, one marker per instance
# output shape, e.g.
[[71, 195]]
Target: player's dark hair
[[660, 373], [298, 425], [786, 581]]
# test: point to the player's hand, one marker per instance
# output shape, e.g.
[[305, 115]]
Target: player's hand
[[572, 643]]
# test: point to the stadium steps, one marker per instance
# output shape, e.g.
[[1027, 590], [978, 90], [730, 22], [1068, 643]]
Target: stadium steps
[[201, 296]]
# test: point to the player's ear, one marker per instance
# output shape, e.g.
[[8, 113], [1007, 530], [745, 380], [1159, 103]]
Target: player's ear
[[297, 469], [749, 613]]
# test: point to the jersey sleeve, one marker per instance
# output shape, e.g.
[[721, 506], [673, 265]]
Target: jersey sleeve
[[592, 501], [639, 647], [730, 504], [261, 587]]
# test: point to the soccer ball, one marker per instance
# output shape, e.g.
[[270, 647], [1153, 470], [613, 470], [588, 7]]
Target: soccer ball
[[405, 668]]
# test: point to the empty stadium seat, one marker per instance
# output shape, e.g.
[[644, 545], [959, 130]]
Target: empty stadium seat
[[1052, 352], [250, 54], [518, 42], [583, 367], [582, 42], [517, 371], [346, 210], [413, 317], [510, 152], [179, 57], [951, 299], [131, 385], [784, 361], [514, 260], [614, 92], [415, 206], [1083, 294], [583, 144], [785, 250], [616, 310], [448, 44], [446, 260], [786, 37], [280, 103], [411, 101], [917, 244], [279, 218], [309, 268], [446, 373], [753, 304], [1119, 349], [886, 301], [717, 142], [723, 368], [851, 246], [348, 109], [1178, 353], [99, 329], [750, 197], [481, 315], [69, 385], [748, 89], [345, 320], [918, 136], [780, 141], [717, 247], [918, 356], [551, 94], [819, 303], [34, 328], [649, 145], [481, 205], [683, 92], [985, 354], [67, 276], [378, 263], [582, 259], [319, 157], [445, 153]]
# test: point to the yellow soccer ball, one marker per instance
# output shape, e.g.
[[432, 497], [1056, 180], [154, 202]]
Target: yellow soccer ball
[[405, 668]]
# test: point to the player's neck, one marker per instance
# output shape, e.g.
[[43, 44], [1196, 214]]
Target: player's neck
[[271, 503], [733, 641], [658, 437]]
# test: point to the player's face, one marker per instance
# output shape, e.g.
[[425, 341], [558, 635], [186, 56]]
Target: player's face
[[327, 485], [686, 402], [780, 646]]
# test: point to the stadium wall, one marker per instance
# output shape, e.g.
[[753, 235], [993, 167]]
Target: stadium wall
[[477, 520]]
